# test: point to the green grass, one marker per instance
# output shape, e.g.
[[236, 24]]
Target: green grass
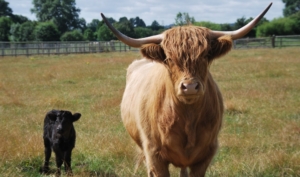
[[260, 134]]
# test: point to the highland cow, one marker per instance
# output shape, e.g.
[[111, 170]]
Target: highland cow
[[172, 107]]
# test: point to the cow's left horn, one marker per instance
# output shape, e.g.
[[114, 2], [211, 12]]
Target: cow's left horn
[[130, 41], [242, 31]]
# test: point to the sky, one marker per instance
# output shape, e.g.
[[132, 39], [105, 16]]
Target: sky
[[165, 11]]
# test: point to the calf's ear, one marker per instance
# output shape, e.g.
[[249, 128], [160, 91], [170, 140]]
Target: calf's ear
[[153, 52], [76, 116], [220, 47]]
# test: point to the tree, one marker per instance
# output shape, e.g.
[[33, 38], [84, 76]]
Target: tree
[[88, 35], [46, 31], [104, 34], [5, 23], [4, 9], [291, 7], [125, 27], [240, 22], [22, 32], [63, 13], [226, 27], [94, 25], [183, 19], [210, 25], [155, 26], [279, 26], [19, 19], [74, 35], [137, 22], [141, 32]]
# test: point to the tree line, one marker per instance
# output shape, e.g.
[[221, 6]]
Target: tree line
[[58, 20]]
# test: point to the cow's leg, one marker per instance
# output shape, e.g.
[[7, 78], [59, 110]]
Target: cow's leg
[[48, 151], [59, 161], [156, 166], [199, 169], [67, 162]]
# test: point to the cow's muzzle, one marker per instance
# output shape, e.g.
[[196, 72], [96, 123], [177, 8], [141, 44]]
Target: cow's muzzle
[[189, 88]]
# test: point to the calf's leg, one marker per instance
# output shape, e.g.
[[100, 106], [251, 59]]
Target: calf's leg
[[67, 162], [59, 161], [47, 152]]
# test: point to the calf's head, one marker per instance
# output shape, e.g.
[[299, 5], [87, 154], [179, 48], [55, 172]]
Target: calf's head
[[187, 53], [63, 121]]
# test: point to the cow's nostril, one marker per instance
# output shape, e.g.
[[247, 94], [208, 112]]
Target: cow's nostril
[[189, 88], [183, 87], [197, 86]]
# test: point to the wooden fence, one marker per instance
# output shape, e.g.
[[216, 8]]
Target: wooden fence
[[267, 42], [59, 48]]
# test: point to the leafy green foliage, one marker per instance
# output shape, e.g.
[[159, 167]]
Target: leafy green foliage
[[279, 26], [125, 27], [62, 12], [72, 36], [210, 25], [22, 32], [137, 22], [141, 32], [19, 19], [5, 23], [155, 26], [89, 35], [104, 34], [46, 31], [4, 9], [94, 25], [291, 7], [184, 19]]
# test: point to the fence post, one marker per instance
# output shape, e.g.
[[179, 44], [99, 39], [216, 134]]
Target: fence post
[[2, 47], [273, 41], [27, 49]]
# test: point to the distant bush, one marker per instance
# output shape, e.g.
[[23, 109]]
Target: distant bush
[[46, 31], [72, 36], [279, 26]]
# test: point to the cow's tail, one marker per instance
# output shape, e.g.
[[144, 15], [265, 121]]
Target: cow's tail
[[140, 158]]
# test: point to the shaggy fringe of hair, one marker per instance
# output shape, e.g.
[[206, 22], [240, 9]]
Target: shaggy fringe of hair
[[186, 43]]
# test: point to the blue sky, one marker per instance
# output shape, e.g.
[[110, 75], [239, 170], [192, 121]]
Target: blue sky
[[164, 11]]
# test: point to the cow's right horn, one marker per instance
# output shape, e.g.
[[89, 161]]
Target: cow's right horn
[[130, 41], [242, 31]]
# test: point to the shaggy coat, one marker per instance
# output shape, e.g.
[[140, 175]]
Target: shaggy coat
[[59, 136], [169, 126]]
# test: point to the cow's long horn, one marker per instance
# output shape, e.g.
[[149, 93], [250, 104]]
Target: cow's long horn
[[242, 31], [130, 41]]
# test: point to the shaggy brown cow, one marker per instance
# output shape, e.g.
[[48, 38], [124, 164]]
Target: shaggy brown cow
[[172, 107]]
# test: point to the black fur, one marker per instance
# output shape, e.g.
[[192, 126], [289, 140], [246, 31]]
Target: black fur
[[59, 136]]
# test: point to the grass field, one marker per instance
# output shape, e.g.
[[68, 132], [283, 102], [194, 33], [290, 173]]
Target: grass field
[[260, 134]]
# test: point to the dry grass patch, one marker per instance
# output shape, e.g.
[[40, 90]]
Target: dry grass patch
[[260, 134]]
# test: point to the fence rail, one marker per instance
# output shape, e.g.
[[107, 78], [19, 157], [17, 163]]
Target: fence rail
[[58, 48]]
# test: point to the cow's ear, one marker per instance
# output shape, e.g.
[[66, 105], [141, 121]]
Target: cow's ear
[[153, 52], [76, 116], [220, 47], [52, 116]]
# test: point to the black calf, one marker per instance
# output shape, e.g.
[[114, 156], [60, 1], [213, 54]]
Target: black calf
[[59, 135]]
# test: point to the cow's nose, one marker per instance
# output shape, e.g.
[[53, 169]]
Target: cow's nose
[[189, 88]]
